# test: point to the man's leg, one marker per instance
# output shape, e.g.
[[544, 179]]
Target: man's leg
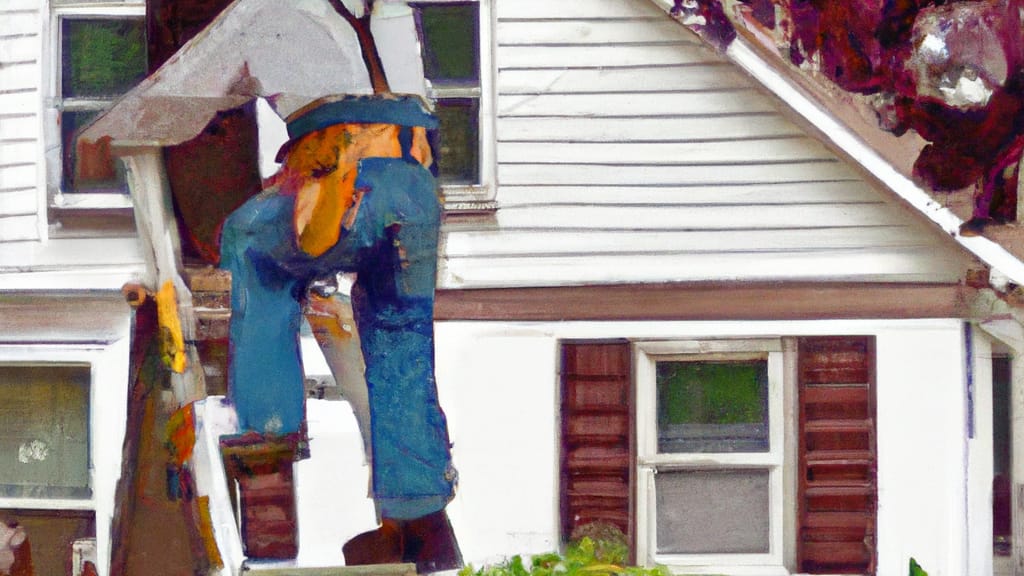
[[265, 380], [393, 299]]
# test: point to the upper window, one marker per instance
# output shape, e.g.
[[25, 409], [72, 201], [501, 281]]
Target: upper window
[[710, 454], [712, 405], [453, 50], [99, 54]]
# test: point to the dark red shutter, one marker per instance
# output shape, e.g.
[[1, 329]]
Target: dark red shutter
[[596, 436], [837, 491]]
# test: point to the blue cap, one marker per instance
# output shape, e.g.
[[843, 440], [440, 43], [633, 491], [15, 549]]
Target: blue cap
[[377, 109]]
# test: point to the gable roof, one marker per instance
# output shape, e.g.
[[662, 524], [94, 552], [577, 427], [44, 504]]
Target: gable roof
[[1006, 267]]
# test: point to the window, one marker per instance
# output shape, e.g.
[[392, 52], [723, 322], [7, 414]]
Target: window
[[454, 62], [710, 452], [686, 446], [44, 443], [98, 54], [64, 372]]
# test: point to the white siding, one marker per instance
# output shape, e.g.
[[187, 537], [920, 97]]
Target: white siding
[[75, 259], [20, 102], [512, 370], [629, 152]]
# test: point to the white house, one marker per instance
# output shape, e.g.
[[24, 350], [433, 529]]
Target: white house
[[627, 207]]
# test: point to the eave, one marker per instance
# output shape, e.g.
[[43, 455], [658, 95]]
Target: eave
[[804, 99], [286, 52]]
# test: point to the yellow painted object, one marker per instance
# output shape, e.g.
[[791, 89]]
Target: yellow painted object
[[172, 342], [206, 533], [323, 167], [181, 433], [332, 196]]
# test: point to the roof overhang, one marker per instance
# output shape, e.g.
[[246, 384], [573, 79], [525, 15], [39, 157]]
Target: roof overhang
[[289, 53], [1006, 267]]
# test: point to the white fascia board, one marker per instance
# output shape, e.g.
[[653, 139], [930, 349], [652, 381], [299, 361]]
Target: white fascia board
[[989, 252], [843, 138]]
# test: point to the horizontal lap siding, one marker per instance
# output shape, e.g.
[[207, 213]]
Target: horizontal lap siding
[[20, 102], [628, 152], [657, 265]]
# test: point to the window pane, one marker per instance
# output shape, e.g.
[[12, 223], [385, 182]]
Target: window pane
[[44, 440], [88, 166], [102, 58], [712, 406], [458, 153], [712, 512], [450, 42]]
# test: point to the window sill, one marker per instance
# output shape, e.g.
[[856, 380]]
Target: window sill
[[92, 223], [469, 199], [720, 570], [47, 504], [101, 199]]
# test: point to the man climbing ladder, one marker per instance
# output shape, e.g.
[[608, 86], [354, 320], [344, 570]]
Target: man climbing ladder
[[354, 194]]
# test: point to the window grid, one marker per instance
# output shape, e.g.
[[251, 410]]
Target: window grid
[[60, 105], [46, 446], [651, 462], [475, 191]]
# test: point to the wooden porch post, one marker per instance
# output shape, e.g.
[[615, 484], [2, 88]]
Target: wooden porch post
[[158, 231]]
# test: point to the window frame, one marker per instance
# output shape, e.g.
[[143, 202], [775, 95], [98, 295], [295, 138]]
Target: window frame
[[55, 104], [59, 355], [105, 348], [649, 460], [479, 197], [88, 410], [459, 198]]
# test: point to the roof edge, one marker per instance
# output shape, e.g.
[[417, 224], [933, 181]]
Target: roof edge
[[740, 53]]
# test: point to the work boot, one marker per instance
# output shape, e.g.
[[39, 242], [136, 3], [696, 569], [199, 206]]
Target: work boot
[[429, 542], [380, 546]]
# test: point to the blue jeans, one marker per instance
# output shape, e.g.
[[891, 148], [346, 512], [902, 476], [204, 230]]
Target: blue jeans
[[392, 246]]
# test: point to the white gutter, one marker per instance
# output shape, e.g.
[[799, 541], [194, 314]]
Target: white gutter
[[991, 253]]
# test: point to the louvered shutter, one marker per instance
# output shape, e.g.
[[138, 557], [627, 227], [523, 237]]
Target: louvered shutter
[[596, 435], [837, 492]]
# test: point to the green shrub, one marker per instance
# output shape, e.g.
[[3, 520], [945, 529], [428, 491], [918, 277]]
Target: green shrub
[[596, 550]]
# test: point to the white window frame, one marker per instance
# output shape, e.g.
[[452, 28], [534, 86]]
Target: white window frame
[[55, 103], [476, 197], [108, 397], [43, 356], [649, 461], [470, 198]]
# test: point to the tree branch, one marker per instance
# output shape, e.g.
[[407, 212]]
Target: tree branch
[[367, 45]]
